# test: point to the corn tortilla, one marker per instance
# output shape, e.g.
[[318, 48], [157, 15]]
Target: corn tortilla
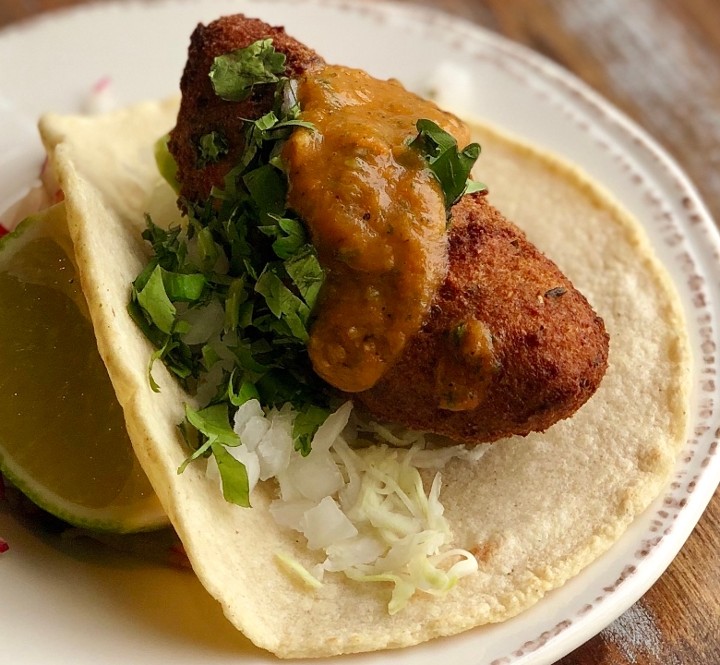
[[534, 510]]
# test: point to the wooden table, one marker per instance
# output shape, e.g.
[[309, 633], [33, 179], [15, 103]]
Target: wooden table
[[659, 61]]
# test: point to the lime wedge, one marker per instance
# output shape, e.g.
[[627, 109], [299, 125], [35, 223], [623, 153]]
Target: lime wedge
[[62, 435]]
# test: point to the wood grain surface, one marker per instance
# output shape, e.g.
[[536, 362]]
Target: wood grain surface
[[659, 62]]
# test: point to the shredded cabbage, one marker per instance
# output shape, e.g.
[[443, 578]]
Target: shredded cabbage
[[296, 568], [364, 506]]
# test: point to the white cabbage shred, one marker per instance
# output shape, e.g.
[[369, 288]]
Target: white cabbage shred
[[358, 499]]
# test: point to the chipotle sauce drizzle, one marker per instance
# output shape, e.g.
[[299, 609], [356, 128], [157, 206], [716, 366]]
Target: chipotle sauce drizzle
[[376, 216]]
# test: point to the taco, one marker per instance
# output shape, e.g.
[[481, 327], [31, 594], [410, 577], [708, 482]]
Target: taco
[[514, 519]]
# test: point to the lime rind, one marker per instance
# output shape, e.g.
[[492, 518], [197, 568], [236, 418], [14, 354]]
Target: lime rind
[[49, 223], [146, 515]]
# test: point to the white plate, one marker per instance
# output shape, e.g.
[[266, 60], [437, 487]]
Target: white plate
[[64, 604]]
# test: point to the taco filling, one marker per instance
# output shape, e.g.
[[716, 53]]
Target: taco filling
[[340, 313]]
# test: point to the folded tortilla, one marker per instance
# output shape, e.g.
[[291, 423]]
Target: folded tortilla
[[533, 510]]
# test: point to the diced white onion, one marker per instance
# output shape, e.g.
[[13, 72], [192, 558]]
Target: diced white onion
[[326, 524], [290, 513], [313, 477], [275, 447], [331, 428], [246, 411], [254, 431]]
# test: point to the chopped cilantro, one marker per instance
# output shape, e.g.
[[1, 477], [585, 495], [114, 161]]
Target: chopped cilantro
[[181, 287], [234, 75], [245, 256], [305, 426], [214, 423], [155, 301], [305, 271], [235, 485], [283, 303], [450, 166], [212, 146]]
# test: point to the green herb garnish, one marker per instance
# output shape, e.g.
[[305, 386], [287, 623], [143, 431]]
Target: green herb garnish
[[450, 166], [234, 75], [304, 427], [233, 290], [212, 147]]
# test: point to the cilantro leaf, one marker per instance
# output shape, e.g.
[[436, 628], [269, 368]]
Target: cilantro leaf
[[245, 393], [214, 422], [305, 271], [212, 146], [181, 287], [169, 251], [305, 425], [234, 74], [289, 235], [235, 485], [236, 296], [450, 166], [280, 300], [473, 187], [154, 300], [268, 190]]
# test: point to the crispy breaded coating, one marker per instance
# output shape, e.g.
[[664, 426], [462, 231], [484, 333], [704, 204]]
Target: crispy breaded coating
[[543, 350], [202, 111], [510, 345]]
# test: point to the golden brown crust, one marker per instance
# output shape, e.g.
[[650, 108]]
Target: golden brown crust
[[549, 346], [202, 111]]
